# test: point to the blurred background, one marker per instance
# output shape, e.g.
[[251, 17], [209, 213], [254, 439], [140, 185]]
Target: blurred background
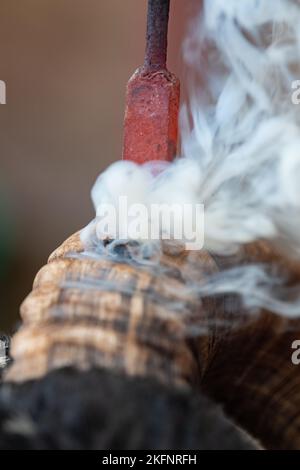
[[65, 64]]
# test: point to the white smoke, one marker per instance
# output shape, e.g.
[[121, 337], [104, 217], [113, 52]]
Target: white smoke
[[240, 137], [245, 132]]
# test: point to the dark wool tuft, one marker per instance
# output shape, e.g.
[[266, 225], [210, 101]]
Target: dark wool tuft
[[98, 409]]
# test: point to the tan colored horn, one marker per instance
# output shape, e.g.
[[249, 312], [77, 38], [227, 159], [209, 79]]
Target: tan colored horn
[[90, 311]]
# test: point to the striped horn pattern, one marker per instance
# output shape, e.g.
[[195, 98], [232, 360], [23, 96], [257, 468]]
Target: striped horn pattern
[[144, 320]]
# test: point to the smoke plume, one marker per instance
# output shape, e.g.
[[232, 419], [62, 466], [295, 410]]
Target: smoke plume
[[240, 155]]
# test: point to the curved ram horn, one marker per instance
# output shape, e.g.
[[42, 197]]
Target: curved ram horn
[[94, 310]]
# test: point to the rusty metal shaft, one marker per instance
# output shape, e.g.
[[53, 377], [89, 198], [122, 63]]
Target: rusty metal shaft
[[157, 34], [152, 98]]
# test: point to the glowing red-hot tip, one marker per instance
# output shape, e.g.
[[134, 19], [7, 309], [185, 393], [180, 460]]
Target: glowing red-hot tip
[[152, 98]]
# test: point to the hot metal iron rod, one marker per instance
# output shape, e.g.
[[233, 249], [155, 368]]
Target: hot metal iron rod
[[152, 97], [157, 34]]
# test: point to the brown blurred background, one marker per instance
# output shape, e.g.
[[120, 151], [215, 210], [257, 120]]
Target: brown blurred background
[[65, 64]]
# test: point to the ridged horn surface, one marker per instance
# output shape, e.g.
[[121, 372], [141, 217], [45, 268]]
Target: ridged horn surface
[[90, 311]]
